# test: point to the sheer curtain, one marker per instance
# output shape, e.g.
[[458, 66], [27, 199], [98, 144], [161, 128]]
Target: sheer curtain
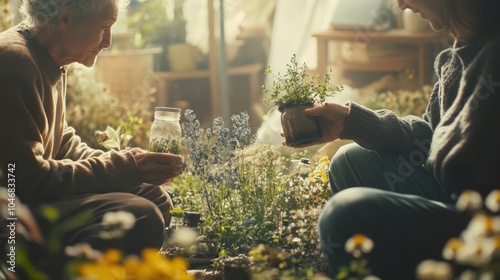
[[294, 22]]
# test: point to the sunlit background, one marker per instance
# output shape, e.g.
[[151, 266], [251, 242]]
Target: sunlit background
[[210, 56]]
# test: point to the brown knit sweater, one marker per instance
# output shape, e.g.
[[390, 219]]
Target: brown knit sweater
[[50, 161]]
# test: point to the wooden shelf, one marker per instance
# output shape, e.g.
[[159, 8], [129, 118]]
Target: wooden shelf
[[384, 64], [421, 59], [251, 70]]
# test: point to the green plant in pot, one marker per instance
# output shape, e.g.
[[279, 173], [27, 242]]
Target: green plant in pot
[[294, 92]]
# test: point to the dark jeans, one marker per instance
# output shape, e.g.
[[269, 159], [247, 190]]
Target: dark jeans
[[149, 204], [397, 204]]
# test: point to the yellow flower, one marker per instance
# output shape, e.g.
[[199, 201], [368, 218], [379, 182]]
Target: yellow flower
[[153, 266]]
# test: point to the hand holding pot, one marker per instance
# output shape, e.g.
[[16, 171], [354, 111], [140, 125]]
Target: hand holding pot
[[331, 117]]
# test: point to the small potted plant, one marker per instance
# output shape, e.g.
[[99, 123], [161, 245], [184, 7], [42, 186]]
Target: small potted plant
[[294, 92]]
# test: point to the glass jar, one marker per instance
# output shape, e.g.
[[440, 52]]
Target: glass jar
[[165, 134]]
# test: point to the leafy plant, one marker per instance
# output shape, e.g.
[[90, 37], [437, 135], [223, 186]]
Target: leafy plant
[[112, 139], [247, 195], [151, 20], [297, 88]]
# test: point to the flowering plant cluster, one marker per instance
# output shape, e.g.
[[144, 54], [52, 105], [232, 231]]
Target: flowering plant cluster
[[247, 195], [475, 254], [402, 102], [112, 265]]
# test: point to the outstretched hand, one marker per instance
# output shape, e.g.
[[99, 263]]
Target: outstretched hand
[[157, 168], [331, 117]]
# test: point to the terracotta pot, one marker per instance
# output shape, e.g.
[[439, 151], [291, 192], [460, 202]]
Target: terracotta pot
[[298, 127]]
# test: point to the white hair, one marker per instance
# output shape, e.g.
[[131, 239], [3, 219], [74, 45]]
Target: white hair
[[45, 12]]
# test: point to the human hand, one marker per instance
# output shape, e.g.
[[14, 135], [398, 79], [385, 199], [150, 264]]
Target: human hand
[[157, 168], [331, 117]]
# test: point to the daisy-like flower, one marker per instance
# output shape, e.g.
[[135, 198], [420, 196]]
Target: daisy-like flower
[[116, 224], [472, 253], [358, 245], [185, 237], [82, 250], [493, 201], [451, 248], [434, 270], [481, 225], [469, 201], [491, 247]]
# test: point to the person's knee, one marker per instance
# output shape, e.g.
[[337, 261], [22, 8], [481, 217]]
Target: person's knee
[[341, 164], [148, 216], [345, 213]]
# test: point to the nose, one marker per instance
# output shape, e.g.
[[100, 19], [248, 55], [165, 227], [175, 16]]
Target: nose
[[106, 39], [402, 4]]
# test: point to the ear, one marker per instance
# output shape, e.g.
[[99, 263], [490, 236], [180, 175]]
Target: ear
[[64, 18]]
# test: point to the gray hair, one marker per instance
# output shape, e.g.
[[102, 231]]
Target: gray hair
[[45, 12]]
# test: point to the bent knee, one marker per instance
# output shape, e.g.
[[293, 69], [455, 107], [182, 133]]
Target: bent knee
[[347, 212], [147, 214]]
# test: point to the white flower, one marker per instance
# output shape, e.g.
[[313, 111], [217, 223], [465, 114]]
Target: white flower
[[481, 225], [434, 270], [116, 224], [472, 253], [185, 237], [451, 248], [468, 275], [82, 250], [490, 247], [469, 201], [493, 201], [124, 220], [358, 244]]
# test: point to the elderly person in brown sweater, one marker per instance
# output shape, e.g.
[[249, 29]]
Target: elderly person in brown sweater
[[51, 164]]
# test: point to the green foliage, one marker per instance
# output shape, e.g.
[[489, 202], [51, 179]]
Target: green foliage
[[150, 19], [296, 88], [92, 107], [247, 196], [165, 146]]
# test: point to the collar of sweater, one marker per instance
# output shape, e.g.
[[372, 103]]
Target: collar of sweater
[[467, 53], [47, 63]]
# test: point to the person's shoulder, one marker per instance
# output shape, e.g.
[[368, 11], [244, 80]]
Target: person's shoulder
[[14, 52]]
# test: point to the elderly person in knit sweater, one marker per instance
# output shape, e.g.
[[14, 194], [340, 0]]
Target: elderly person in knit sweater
[[52, 165], [398, 183]]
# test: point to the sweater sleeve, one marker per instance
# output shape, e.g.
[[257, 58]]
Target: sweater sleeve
[[73, 148], [24, 122], [383, 130], [465, 151]]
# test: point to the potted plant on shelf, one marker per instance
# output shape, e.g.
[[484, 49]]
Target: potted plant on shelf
[[294, 92]]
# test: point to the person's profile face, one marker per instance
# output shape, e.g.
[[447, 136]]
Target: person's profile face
[[434, 11], [86, 38]]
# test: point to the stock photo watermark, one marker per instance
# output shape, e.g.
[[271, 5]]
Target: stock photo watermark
[[11, 218]]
